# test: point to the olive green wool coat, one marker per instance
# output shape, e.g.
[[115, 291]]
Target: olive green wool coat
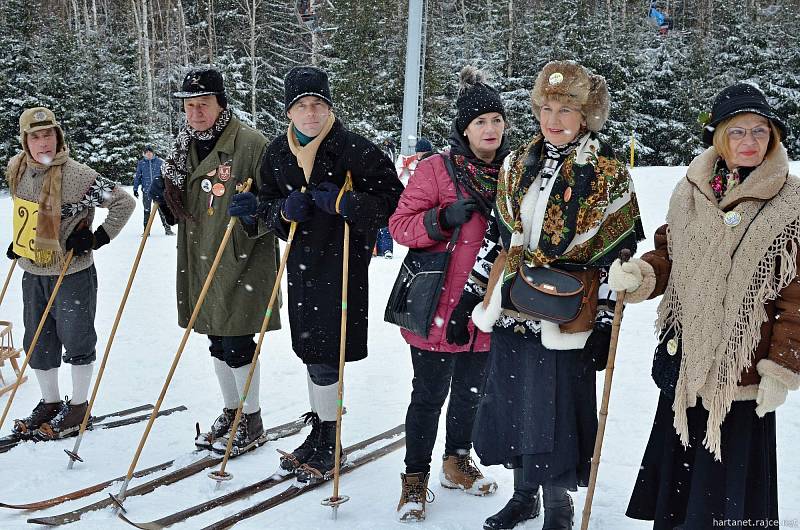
[[238, 296]]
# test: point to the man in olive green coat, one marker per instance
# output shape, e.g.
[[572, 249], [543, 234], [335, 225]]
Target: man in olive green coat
[[212, 155]]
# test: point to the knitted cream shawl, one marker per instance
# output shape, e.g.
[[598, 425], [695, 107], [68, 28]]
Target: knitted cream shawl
[[715, 301]]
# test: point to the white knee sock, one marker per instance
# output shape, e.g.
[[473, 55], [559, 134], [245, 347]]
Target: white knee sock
[[227, 384], [311, 402], [48, 384], [325, 399], [251, 404], [81, 379]]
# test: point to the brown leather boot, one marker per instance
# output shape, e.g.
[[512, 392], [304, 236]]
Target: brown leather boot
[[413, 498], [460, 472], [43, 412], [66, 423]]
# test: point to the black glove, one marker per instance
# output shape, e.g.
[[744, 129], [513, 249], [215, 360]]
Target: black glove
[[297, 207], [82, 240], [10, 254], [458, 213], [156, 190], [136, 193], [458, 326], [596, 349]]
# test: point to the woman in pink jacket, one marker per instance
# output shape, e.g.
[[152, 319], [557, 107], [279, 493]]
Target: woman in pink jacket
[[446, 360]]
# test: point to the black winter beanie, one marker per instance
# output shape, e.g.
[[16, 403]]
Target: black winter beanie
[[475, 97]]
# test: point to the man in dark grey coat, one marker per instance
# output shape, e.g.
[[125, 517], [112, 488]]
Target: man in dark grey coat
[[303, 181]]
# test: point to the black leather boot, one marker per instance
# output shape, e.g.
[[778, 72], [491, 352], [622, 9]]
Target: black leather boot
[[524, 504], [559, 511]]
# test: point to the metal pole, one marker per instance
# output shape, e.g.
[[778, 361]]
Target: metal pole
[[412, 77]]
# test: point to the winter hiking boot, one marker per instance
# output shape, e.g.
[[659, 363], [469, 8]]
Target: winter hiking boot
[[219, 428], [559, 514], [460, 472], [168, 231], [522, 506], [319, 466], [249, 435], [42, 412], [291, 461], [66, 423], [413, 497]]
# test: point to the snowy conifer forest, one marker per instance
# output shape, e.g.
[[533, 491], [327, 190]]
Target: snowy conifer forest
[[108, 67]]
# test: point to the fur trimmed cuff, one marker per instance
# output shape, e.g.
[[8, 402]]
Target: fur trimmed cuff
[[647, 286], [485, 317], [554, 339], [768, 367]]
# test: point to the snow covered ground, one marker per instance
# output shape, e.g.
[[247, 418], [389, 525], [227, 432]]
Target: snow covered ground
[[377, 394]]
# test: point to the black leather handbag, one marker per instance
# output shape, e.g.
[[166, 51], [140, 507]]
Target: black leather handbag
[[546, 293], [418, 287]]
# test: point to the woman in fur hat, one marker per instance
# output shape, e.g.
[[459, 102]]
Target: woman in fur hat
[[59, 195], [563, 201], [428, 215], [729, 350]]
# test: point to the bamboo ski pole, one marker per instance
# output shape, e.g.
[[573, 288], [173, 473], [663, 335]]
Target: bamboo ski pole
[[30, 349], [624, 256], [8, 280], [73, 455], [222, 475], [119, 499], [335, 500]]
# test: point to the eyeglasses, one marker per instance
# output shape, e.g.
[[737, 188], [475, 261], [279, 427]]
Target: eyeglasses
[[758, 133]]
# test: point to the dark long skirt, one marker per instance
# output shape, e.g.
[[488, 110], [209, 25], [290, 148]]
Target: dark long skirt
[[538, 412], [686, 488]]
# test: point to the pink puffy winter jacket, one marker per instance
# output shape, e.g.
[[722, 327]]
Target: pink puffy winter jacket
[[429, 190]]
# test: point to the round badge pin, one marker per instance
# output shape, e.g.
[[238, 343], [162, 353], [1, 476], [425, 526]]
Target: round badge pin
[[672, 346], [733, 218], [205, 185], [555, 78], [218, 189]]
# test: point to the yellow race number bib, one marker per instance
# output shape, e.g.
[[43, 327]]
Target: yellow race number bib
[[25, 214]]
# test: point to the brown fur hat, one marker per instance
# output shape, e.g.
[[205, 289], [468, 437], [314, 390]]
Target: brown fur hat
[[570, 83]]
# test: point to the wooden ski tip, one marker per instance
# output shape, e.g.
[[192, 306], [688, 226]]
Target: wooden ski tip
[[73, 456], [335, 502], [220, 476], [118, 503], [143, 526]]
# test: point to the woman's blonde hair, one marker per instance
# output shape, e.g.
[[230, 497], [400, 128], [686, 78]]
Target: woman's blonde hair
[[720, 142]]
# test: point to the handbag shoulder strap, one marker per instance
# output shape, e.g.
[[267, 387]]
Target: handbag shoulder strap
[[451, 170]]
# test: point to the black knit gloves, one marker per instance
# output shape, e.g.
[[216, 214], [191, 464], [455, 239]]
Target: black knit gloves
[[10, 254], [82, 240], [458, 325], [458, 213]]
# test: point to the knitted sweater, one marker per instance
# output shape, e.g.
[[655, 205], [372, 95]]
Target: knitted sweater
[[82, 189]]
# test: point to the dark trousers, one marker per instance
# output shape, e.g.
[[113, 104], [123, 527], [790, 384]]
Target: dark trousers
[[147, 202], [235, 351], [70, 323], [436, 374]]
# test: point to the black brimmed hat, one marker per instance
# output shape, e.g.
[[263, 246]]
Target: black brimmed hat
[[736, 99], [204, 81]]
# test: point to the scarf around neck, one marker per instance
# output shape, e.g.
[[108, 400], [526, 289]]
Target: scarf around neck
[[175, 168], [46, 244], [307, 154], [591, 213]]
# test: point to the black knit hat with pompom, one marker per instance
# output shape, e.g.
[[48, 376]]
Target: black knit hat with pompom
[[475, 97]]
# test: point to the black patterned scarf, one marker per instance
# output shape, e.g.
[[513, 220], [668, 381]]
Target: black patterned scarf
[[175, 169], [479, 178], [591, 211]]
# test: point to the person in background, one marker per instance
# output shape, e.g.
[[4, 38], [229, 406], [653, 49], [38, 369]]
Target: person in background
[[147, 169], [405, 165]]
